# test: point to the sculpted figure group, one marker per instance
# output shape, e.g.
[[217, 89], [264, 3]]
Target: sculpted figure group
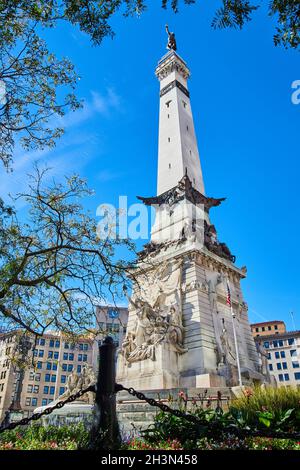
[[157, 320]]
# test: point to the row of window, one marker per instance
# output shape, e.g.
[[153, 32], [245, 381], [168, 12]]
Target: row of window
[[55, 355], [55, 343], [65, 367], [263, 328], [36, 376], [33, 388], [286, 377], [281, 354], [32, 401], [278, 343]]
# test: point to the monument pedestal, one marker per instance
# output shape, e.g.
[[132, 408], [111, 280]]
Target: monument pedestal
[[158, 373]]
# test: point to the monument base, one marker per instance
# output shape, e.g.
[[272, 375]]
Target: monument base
[[149, 374]]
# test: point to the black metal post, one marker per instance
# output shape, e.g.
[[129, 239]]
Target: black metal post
[[105, 433]]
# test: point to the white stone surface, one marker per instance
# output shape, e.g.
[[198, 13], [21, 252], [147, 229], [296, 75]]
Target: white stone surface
[[178, 149]]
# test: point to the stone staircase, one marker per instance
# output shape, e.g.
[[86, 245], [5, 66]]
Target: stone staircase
[[135, 415]]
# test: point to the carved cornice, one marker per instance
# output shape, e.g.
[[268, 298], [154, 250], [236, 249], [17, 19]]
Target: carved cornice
[[170, 63]]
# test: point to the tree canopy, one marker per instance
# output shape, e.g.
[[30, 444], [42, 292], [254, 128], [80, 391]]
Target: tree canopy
[[53, 266], [35, 84]]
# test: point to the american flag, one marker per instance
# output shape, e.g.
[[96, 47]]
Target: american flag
[[228, 298]]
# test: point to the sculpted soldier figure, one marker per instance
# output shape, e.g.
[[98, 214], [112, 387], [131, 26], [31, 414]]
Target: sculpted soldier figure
[[171, 40]]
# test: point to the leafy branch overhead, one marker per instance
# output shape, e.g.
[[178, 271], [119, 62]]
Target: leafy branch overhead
[[53, 268], [35, 85]]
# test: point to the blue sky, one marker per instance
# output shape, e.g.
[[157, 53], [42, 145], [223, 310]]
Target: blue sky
[[246, 125]]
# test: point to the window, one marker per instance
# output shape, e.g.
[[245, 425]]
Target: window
[[187, 128], [51, 343], [63, 379], [79, 357], [71, 357], [39, 365], [278, 365], [57, 343], [34, 402], [66, 345], [36, 389], [27, 401], [46, 390], [280, 343], [269, 355], [275, 344], [81, 346], [269, 328], [286, 377], [29, 389], [282, 354], [284, 365], [257, 330], [266, 344], [44, 401], [31, 375], [293, 353], [48, 367], [50, 354], [85, 357], [47, 378], [61, 390], [184, 104], [35, 352], [291, 341], [277, 355], [297, 375], [78, 369], [275, 327], [54, 366], [169, 139], [263, 328], [56, 354], [270, 366], [52, 390], [37, 377], [280, 376], [53, 378], [42, 341], [64, 367], [70, 367], [295, 364], [41, 353], [65, 356]]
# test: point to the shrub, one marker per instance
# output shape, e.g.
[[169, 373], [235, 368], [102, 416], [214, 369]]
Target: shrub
[[36, 437]]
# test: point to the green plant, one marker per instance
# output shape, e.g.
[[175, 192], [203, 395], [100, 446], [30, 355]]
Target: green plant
[[274, 408], [37, 437]]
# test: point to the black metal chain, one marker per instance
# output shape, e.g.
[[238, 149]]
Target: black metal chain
[[212, 426], [49, 410]]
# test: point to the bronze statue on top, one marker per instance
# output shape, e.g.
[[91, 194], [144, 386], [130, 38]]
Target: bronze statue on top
[[171, 40]]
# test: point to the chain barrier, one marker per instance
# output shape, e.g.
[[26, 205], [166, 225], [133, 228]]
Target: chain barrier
[[48, 411], [212, 426]]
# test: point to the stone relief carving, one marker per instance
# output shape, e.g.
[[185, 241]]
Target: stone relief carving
[[212, 244], [76, 382], [157, 304], [263, 360], [227, 354]]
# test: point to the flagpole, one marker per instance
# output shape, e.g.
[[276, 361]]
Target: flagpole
[[235, 341]]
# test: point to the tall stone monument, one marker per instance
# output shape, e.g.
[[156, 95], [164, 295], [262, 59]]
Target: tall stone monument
[[180, 327]]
